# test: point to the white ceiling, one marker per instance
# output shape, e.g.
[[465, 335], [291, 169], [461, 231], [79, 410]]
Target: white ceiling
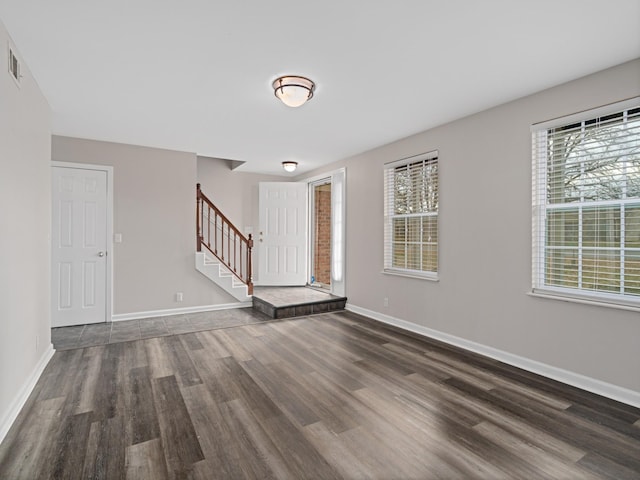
[[195, 75]]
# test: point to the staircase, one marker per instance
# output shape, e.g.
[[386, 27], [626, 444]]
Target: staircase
[[223, 253], [219, 274]]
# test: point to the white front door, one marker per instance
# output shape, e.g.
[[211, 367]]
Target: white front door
[[282, 239], [79, 246]]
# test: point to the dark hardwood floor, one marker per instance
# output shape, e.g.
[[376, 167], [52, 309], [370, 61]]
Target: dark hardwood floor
[[328, 396]]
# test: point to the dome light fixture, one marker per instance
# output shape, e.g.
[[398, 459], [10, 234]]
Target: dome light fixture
[[293, 90], [290, 166]]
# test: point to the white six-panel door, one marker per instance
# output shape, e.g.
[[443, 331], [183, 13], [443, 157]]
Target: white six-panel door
[[79, 246], [282, 239]]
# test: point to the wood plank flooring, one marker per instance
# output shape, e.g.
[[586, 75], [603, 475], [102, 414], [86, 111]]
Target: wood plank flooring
[[327, 397]]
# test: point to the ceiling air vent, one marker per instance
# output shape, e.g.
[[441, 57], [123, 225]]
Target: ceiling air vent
[[14, 66]]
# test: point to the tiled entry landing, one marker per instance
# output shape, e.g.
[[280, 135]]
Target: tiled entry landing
[[64, 338], [285, 302], [273, 303]]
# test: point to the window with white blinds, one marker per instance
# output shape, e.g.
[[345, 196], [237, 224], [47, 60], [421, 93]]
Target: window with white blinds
[[411, 216], [586, 205]]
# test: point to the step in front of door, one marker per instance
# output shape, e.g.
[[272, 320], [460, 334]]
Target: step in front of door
[[288, 311]]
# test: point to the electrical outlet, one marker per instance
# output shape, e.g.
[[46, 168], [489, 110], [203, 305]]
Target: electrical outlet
[[179, 297], [385, 302]]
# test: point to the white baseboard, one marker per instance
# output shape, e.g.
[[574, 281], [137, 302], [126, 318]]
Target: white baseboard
[[589, 384], [21, 398], [177, 311]]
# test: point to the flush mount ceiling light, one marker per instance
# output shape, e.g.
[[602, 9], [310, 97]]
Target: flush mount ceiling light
[[292, 90], [290, 166]]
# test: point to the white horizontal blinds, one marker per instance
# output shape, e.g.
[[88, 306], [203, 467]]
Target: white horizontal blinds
[[587, 206], [411, 215]]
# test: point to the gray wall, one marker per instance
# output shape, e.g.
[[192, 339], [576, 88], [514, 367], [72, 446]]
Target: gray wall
[[25, 219], [485, 239], [154, 210]]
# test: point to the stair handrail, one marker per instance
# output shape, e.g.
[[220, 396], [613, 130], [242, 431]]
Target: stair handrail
[[241, 248]]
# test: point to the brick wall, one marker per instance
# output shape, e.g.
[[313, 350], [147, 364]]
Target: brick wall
[[322, 241]]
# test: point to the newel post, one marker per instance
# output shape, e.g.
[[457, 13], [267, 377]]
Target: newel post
[[249, 266], [198, 219]]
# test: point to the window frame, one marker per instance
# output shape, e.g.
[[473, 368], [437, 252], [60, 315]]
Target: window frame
[[389, 216], [542, 205]]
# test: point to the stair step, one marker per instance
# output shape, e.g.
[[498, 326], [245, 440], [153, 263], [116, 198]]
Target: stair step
[[282, 309], [219, 274]]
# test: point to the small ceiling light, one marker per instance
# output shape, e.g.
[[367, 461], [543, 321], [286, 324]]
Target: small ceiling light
[[290, 166], [292, 90]]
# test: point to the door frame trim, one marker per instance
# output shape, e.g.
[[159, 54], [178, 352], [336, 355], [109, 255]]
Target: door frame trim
[[310, 181], [109, 264]]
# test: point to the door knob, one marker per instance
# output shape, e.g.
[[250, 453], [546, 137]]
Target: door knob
[[101, 254]]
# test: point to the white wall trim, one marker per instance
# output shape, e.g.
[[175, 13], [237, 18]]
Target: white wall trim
[[177, 311], [585, 301], [21, 398], [110, 249], [589, 384], [322, 176]]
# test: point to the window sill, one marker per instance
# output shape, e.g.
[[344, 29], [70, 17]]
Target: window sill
[[395, 273], [584, 301]]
